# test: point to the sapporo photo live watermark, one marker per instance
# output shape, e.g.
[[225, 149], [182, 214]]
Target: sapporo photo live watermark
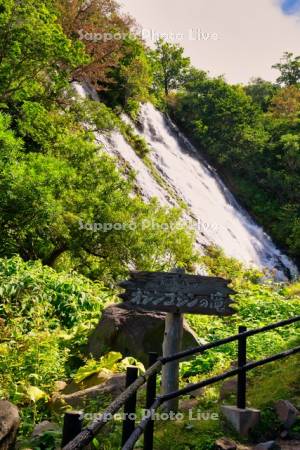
[[147, 224], [192, 415], [151, 35]]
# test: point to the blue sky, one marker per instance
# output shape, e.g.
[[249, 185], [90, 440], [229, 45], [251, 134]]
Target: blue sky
[[290, 6]]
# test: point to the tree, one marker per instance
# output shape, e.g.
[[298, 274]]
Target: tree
[[59, 193], [36, 58], [102, 30], [286, 104], [170, 66], [289, 68], [261, 92], [291, 147], [222, 119], [57, 186], [132, 79]]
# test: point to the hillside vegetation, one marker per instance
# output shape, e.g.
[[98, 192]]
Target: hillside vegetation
[[58, 268]]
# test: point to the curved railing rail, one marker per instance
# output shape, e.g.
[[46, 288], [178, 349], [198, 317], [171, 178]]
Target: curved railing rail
[[74, 441]]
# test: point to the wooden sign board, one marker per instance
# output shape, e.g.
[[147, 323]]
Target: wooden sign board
[[178, 293]]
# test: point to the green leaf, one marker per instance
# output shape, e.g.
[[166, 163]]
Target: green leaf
[[35, 394]]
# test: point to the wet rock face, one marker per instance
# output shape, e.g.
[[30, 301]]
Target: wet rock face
[[9, 424], [134, 333]]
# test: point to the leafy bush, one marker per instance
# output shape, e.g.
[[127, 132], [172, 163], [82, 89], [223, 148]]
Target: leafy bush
[[258, 303], [45, 318], [31, 292]]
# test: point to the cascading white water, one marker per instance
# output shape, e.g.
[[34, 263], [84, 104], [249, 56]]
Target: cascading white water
[[217, 216]]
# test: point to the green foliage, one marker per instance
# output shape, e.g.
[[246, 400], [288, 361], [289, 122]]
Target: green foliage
[[218, 264], [184, 435], [50, 440], [261, 92], [277, 381], [59, 189], [138, 143], [289, 68], [110, 363], [37, 58], [132, 78], [31, 291], [206, 364], [55, 193], [57, 184], [221, 118], [170, 67], [36, 357], [43, 317], [268, 427], [258, 304]]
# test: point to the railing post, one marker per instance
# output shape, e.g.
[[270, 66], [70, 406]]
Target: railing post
[[150, 398], [73, 422], [242, 376], [129, 406]]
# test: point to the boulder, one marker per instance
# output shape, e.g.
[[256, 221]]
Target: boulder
[[286, 412], [111, 388], [9, 424], [229, 387], [96, 379], [43, 427], [133, 332], [225, 444]]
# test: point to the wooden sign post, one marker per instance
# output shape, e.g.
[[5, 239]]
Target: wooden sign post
[[170, 371], [176, 293], [171, 345]]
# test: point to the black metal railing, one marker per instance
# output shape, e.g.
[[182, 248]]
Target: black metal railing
[[132, 433]]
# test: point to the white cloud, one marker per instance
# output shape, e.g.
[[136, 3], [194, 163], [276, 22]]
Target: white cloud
[[252, 34]]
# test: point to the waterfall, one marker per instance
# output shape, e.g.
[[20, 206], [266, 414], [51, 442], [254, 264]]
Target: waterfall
[[216, 215]]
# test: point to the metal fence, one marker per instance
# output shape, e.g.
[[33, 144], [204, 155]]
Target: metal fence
[[74, 438]]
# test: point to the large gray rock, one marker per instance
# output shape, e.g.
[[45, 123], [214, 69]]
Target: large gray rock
[[286, 412], [133, 332], [9, 424]]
